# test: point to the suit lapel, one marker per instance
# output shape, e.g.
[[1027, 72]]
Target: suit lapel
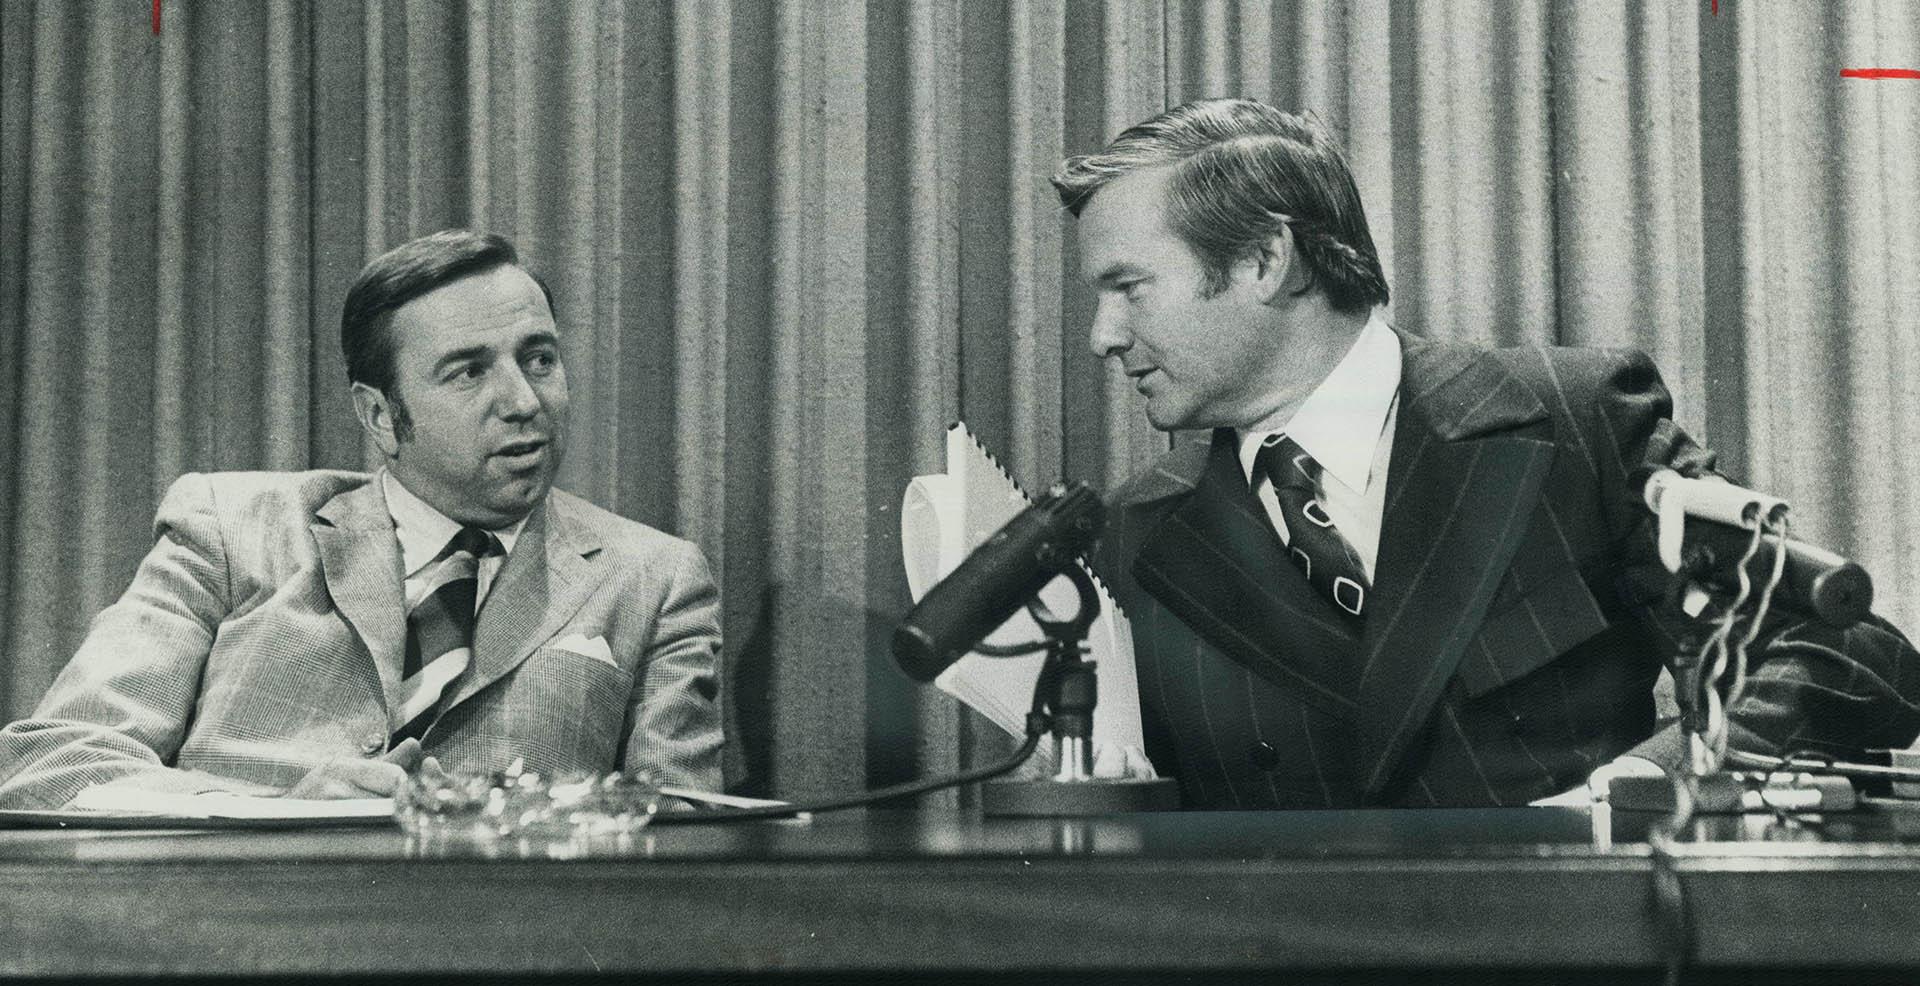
[[1471, 448], [360, 559], [1215, 561], [545, 581]]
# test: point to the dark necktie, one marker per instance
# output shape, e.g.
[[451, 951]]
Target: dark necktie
[[440, 630], [1330, 564]]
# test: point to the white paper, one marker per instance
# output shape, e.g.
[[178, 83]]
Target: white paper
[[945, 517], [221, 804]]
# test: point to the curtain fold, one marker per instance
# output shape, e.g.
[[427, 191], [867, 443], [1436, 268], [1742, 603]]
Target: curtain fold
[[1619, 204], [792, 241], [1825, 319]]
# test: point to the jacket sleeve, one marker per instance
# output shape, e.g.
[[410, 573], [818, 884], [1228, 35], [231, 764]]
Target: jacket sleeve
[[118, 712], [675, 714], [1810, 687]]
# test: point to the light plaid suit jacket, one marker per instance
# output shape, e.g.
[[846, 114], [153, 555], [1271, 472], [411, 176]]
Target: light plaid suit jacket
[[1517, 622], [242, 655]]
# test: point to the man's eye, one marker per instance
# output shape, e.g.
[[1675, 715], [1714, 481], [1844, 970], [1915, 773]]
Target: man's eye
[[1133, 289], [470, 371], [542, 362]]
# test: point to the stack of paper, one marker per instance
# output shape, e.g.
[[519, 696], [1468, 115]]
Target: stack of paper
[[941, 521], [106, 806], [159, 808]]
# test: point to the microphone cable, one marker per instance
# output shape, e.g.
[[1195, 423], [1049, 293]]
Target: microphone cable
[[1037, 725]]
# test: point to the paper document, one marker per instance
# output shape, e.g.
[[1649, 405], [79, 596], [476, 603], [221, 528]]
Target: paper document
[[110, 808], [942, 520], [121, 808], [223, 805]]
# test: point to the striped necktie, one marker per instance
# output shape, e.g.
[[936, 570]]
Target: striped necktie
[[1330, 564], [440, 629]]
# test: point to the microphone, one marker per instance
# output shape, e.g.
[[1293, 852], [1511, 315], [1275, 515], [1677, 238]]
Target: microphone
[[1707, 499], [998, 578], [1817, 581], [1717, 517]]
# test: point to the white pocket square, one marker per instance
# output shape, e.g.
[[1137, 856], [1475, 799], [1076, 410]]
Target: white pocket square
[[594, 647]]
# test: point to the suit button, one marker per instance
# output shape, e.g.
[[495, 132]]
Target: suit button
[[1263, 755], [373, 746]]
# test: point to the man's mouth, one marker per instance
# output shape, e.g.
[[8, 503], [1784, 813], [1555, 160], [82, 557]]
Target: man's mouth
[[1139, 376], [519, 455]]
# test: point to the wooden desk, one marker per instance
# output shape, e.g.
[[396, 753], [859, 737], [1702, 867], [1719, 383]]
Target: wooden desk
[[898, 892]]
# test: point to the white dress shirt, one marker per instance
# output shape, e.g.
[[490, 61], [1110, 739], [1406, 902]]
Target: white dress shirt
[[424, 533], [1346, 424]]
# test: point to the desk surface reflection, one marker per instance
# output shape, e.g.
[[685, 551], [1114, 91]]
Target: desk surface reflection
[[889, 892]]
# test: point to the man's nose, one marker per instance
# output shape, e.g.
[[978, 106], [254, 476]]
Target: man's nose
[[516, 399], [1108, 335]]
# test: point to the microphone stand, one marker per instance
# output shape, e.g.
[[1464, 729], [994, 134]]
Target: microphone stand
[[1709, 671], [1064, 699]]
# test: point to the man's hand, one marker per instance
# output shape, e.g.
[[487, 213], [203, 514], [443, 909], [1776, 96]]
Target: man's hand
[[378, 778]]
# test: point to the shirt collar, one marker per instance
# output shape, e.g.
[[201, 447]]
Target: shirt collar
[[1340, 422], [424, 531]]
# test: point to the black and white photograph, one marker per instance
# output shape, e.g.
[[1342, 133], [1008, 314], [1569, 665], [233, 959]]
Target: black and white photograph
[[960, 491]]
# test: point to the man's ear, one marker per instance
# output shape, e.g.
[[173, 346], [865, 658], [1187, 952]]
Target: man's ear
[[377, 417], [1278, 267]]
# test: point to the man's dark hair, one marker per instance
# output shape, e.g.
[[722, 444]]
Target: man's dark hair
[[1242, 170], [400, 275]]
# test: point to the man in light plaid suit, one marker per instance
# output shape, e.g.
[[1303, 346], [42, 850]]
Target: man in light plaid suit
[[318, 634], [1402, 571]]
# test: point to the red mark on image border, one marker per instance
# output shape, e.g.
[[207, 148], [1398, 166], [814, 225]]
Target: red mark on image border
[[156, 16], [1880, 73]]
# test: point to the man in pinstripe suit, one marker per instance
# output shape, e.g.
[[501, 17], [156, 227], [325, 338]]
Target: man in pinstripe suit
[[318, 634], [1401, 572]]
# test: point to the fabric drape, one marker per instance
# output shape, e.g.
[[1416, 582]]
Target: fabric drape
[[791, 241]]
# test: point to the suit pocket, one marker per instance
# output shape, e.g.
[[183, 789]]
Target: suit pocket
[[1550, 617], [573, 706]]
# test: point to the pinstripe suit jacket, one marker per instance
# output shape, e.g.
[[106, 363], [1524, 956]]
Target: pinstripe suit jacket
[[243, 653], [1517, 622]]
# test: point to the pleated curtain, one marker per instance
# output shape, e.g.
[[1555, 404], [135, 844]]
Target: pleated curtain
[[791, 241]]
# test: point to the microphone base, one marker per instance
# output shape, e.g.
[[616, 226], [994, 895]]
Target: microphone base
[[1073, 799]]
